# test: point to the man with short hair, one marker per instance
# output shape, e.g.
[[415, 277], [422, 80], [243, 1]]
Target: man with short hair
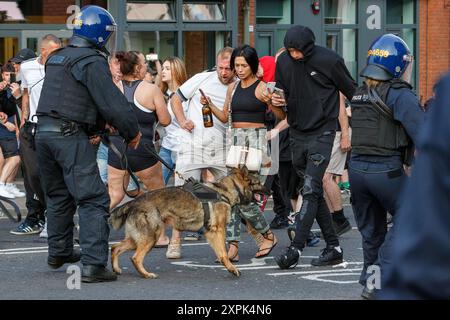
[[201, 148], [32, 74]]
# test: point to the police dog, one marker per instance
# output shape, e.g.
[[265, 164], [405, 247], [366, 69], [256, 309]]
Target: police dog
[[146, 216]]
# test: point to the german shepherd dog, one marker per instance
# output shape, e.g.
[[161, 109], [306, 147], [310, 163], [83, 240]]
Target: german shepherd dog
[[146, 216]]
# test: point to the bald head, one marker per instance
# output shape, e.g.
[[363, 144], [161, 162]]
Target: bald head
[[49, 43]]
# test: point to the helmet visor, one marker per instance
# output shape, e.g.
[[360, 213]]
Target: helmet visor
[[111, 43], [407, 74]]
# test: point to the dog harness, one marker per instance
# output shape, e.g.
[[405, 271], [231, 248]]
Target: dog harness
[[205, 195]]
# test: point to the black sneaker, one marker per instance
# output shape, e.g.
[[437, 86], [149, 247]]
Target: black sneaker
[[57, 262], [91, 274], [341, 228], [26, 228], [289, 259], [329, 256], [279, 222]]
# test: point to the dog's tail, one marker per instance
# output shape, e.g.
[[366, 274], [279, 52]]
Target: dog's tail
[[119, 216]]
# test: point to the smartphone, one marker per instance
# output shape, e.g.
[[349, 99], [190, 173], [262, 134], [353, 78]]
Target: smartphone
[[270, 86], [279, 92], [12, 78], [151, 57]]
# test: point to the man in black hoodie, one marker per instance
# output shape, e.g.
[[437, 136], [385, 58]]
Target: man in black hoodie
[[311, 78]]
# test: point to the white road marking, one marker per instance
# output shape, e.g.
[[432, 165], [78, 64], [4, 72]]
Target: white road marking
[[45, 249]]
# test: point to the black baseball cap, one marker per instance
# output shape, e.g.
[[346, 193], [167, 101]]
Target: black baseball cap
[[24, 54]]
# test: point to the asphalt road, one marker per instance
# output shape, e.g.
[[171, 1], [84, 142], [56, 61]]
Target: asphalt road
[[25, 275]]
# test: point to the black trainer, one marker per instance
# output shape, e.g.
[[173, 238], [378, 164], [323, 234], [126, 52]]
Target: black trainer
[[92, 273], [279, 222], [57, 262], [289, 259], [329, 256], [341, 228]]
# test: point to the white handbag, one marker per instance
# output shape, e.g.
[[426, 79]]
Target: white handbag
[[254, 159], [236, 156]]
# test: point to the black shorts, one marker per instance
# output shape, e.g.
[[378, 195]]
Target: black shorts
[[138, 160], [290, 182], [9, 146]]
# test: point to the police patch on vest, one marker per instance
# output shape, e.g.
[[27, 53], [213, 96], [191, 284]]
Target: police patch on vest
[[57, 60]]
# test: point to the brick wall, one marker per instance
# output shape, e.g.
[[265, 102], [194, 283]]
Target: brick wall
[[55, 11], [252, 21], [195, 52], [434, 44]]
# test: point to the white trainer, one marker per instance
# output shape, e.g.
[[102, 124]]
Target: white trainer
[[12, 188], [43, 233], [4, 192]]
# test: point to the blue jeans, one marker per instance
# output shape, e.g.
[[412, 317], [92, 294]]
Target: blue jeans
[[102, 162], [168, 156]]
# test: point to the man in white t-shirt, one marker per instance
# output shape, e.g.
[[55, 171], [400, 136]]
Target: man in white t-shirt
[[32, 75], [200, 147]]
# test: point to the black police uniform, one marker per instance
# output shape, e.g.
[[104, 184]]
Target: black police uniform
[[420, 251], [77, 88], [376, 165]]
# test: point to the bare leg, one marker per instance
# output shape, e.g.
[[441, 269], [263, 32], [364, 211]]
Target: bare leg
[[116, 180]]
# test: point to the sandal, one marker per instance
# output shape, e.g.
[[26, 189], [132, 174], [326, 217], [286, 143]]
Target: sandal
[[163, 244], [235, 257], [269, 235]]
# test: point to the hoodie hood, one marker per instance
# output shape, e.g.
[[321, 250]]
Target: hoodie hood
[[268, 65], [300, 38]]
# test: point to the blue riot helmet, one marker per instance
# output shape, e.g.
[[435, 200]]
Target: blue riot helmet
[[388, 57], [96, 25]]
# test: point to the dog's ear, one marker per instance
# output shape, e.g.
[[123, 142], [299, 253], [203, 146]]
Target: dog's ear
[[244, 171]]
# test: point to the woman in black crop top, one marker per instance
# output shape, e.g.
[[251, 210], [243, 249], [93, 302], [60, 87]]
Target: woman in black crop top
[[249, 102], [148, 104], [249, 99]]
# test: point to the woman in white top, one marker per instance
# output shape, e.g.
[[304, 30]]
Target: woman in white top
[[173, 75]]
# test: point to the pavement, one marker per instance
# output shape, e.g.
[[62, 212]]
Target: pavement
[[24, 273]]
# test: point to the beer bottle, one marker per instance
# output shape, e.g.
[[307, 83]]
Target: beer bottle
[[207, 112], [207, 116]]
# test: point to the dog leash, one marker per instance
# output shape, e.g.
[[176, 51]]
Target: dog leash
[[168, 166], [123, 164]]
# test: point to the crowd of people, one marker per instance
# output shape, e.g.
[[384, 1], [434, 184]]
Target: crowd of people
[[302, 104]]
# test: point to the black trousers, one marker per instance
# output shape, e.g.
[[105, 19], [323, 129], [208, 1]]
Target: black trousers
[[310, 158], [375, 189], [71, 179], [281, 205], [35, 197]]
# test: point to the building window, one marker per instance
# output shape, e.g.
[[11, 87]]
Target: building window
[[272, 12], [160, 42], [35, 11], [204, 11], [349, 51], [340, 11], [150, 11], [401, 12]]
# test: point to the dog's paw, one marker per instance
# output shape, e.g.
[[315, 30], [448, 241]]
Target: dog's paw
[[237, 273], [117, 271], [150, 276]]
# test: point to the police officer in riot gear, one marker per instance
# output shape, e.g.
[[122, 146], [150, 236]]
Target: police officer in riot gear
[[77, 91], [386, 116]]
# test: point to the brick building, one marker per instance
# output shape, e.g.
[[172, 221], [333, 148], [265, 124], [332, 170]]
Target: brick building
[[195, 30]]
